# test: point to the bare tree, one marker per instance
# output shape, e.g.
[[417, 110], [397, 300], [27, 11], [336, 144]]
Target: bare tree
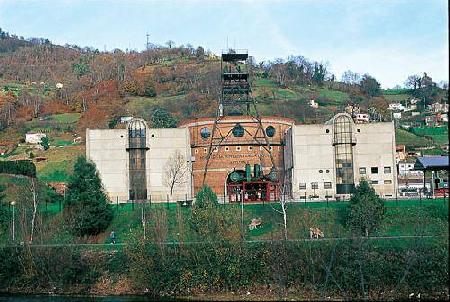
[[175, 171]]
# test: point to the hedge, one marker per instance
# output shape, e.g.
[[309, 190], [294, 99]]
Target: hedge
[[22, 167]]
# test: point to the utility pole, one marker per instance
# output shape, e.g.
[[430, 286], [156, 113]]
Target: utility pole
[[13, 203], [147, 45]]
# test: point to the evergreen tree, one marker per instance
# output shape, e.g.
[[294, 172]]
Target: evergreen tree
[[366, 209], [4, 213], [161, 118], [87, 211]]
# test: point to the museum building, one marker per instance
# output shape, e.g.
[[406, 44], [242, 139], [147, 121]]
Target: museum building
[[301, 162]]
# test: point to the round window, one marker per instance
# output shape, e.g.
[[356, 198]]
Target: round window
[[270, 131], [204, 132], [238, 130]]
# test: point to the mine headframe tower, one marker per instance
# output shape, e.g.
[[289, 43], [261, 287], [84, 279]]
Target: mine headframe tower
[[236, 99]]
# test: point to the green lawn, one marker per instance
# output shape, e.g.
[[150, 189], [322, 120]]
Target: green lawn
[[338, 97], [403, 137], [403, 217], [438, 134], [66, 118]]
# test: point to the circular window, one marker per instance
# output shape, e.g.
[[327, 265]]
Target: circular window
[[320, 171], [328, 171], [270, 131], [204, 132], [238, 130], [327, 131]]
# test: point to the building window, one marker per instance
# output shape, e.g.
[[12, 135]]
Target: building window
[[374, 182], [374, 170], [238, 148], [362, 170], [314, 185], [205, 150], [328, 171], [216, 149], [320, 171], [205, 133], [327, 185], [250, 148], [302, 186], [387, 182], [359, 130], [327, 131], [387, 170], [196, 151], [227, 148], [270, 131]]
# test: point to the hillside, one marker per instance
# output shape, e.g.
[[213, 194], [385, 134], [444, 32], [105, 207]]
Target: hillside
[[62, 90]]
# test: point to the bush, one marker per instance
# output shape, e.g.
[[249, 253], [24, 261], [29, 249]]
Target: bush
[[20, 167]]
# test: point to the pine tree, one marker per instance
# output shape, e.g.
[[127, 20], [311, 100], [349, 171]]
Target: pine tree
[[366, 209], [87, 210]]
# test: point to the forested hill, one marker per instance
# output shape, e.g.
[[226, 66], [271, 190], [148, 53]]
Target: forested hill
[[183, 80]]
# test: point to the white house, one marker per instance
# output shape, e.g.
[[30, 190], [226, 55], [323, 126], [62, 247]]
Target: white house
[[396, 106], [397, 115], [34, 138], [362, 118], [125, 119]]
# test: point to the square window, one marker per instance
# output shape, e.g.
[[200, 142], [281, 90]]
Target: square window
[[387, 182], [374, 170], [238, 148], [327, 185], [314, 185], [362, 170], [387, 170], [302, 186]]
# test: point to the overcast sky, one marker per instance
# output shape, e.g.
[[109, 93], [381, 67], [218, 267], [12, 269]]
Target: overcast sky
[[387, 39]]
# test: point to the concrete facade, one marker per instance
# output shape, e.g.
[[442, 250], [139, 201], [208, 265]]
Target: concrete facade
[[310, 159], [107, 148]]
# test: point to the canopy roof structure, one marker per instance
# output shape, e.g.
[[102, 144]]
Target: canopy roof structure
[[431, 163]]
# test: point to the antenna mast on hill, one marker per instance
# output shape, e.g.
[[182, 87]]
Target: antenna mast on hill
[[235, 100], [147, 45]]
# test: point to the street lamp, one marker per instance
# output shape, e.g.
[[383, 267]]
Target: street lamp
[[13, 203]]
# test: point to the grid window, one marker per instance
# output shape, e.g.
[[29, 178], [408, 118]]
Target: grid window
[[327, 185], [302, 186], [374, 170], [362, 170], [387, 182], [387, 170], [314, 185]]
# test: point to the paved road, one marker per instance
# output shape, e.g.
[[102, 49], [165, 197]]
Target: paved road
[[247, 241]]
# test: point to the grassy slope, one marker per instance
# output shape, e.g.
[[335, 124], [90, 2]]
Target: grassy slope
[[407, 138], [405, 217]]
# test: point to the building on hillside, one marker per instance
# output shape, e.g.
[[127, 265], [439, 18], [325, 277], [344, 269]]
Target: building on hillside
[[362, 118], [400, 153], [396, 107], [34, 138], [312, 161]]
